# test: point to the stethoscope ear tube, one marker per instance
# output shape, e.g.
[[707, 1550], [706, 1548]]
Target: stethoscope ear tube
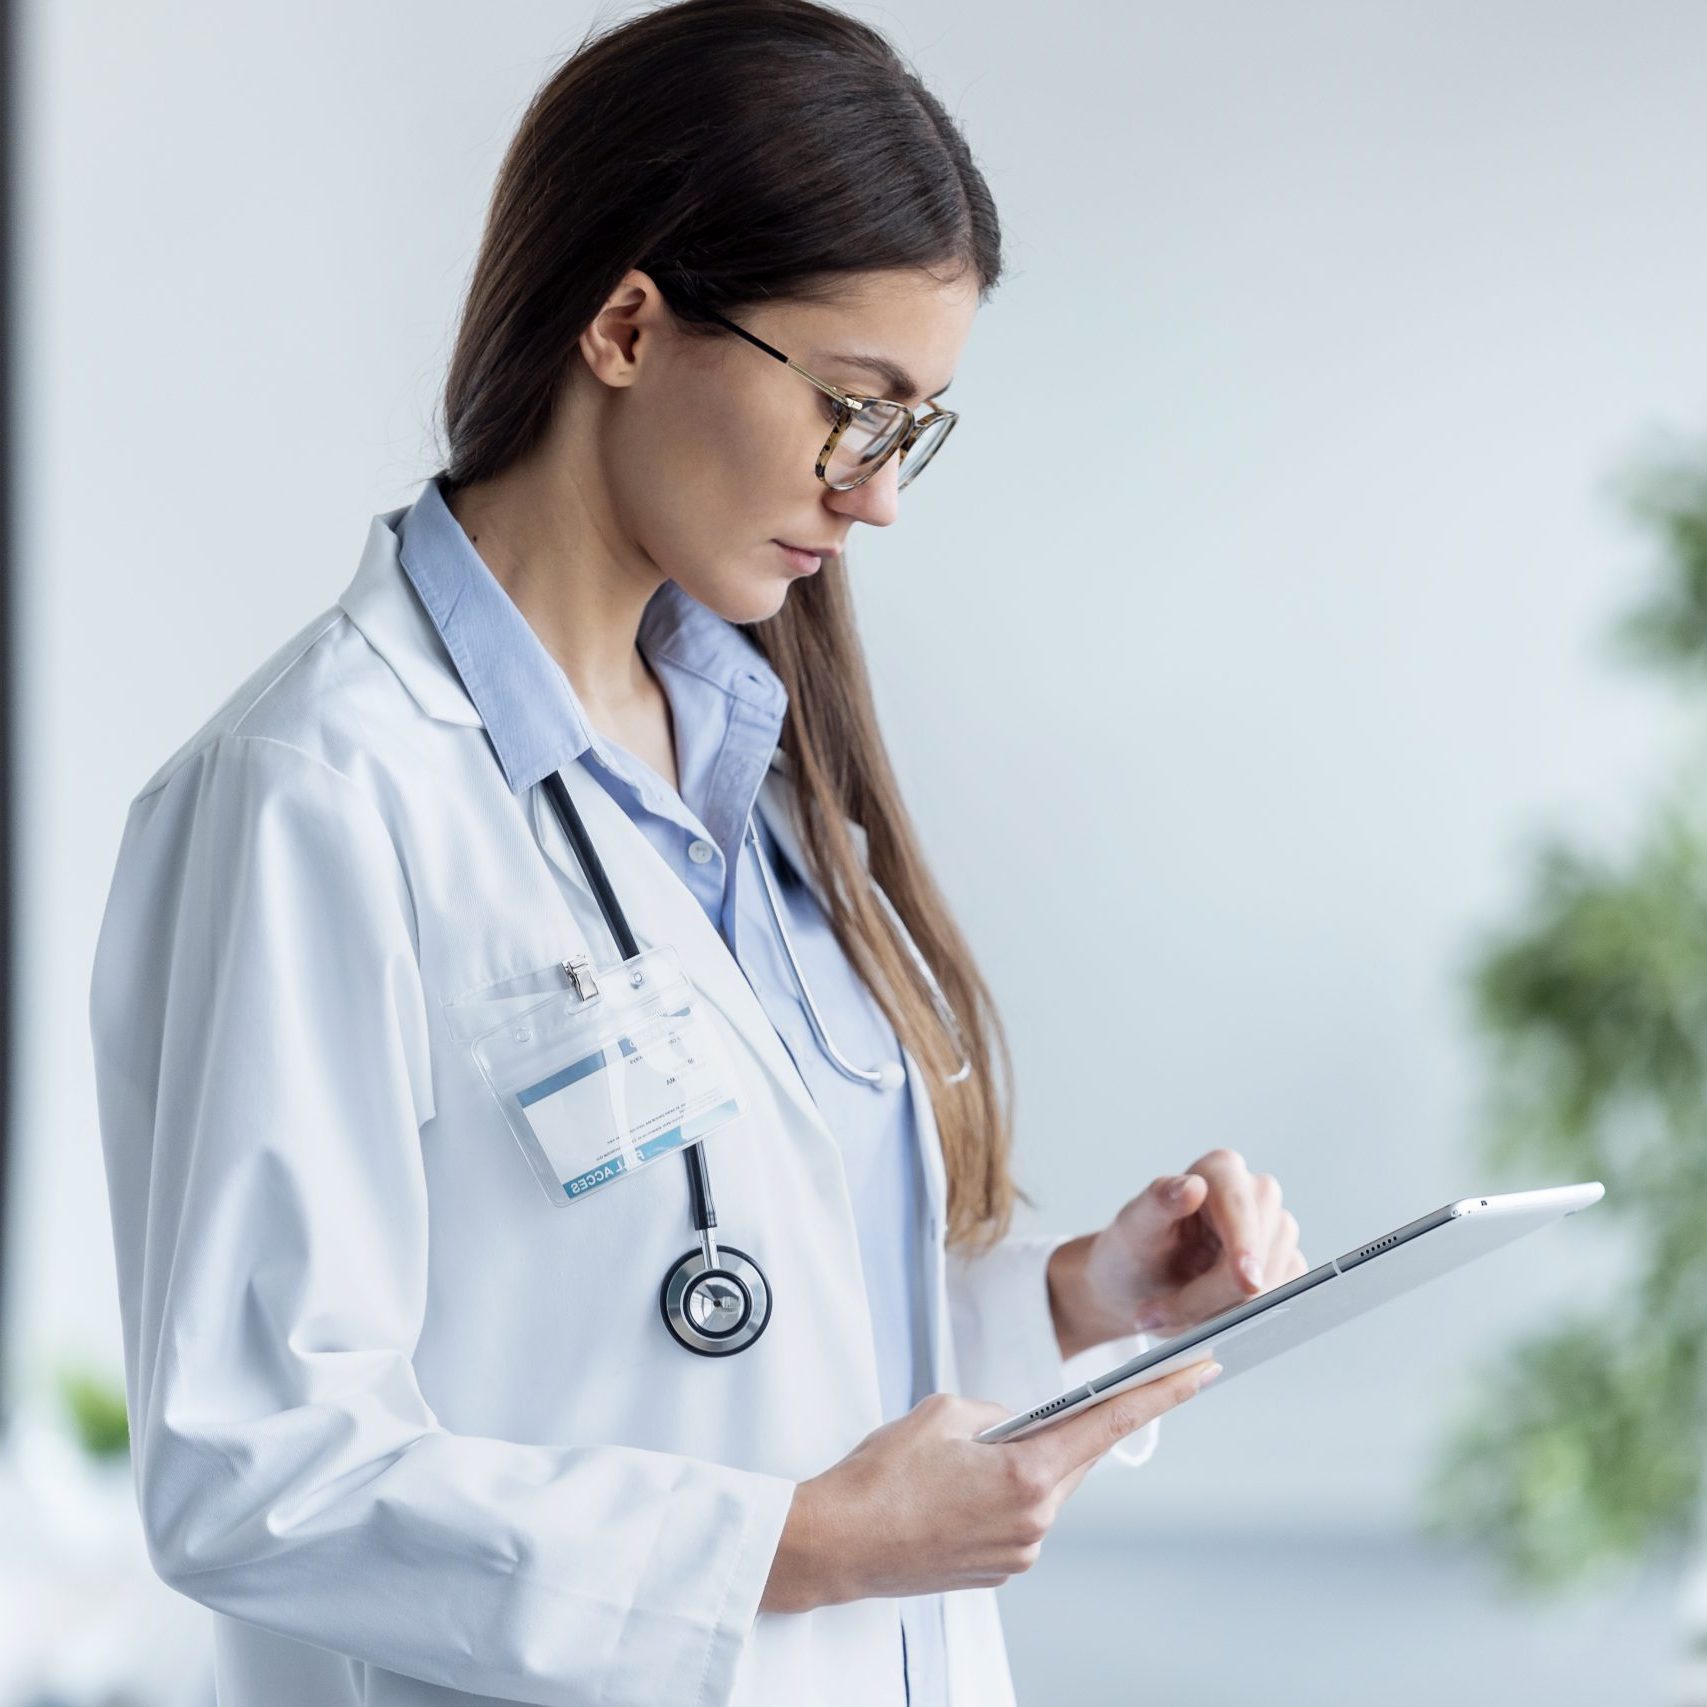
[[886, 1075], [713, 1302]]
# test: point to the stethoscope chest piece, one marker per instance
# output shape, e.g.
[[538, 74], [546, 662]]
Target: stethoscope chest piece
[[716, 1308]]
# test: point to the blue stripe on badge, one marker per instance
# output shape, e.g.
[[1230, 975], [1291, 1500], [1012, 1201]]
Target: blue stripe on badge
[[587, 1065], [584, 1068]]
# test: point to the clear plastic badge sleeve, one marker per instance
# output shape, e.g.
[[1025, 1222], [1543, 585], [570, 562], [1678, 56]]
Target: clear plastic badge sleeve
[[597, 1087]]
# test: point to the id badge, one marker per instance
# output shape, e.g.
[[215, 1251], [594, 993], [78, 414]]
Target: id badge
[[598, 1086]]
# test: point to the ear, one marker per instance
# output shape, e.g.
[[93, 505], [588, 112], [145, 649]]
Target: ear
[[614, 343]]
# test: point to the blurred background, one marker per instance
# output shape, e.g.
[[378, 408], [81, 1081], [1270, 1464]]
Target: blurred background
[[1325, 525]]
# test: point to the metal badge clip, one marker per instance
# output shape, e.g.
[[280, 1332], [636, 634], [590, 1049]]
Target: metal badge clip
[[580, 969]]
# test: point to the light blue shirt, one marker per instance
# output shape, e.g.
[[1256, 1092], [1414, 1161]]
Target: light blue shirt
[[727, 706]]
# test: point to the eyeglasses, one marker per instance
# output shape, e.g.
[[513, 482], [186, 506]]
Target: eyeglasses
[[865, 431]]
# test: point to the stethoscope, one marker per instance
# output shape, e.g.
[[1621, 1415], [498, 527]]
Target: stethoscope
[[715, 1300]]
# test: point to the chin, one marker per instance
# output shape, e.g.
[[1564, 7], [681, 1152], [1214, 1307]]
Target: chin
[[751, 599]]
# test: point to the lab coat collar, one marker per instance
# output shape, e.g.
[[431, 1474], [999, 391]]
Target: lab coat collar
[[532, 714], [382, 604]]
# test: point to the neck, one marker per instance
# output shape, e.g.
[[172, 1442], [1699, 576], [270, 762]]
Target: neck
[[553, 547]]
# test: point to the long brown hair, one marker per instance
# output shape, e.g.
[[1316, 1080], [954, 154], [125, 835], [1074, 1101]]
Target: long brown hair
[[742, 151]]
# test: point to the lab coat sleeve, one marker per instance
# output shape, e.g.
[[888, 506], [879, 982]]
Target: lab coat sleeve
[[1005, 1347], [261, 1050]]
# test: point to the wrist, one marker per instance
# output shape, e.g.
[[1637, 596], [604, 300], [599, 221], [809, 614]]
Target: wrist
[[805, 1570], [1082, 1319]]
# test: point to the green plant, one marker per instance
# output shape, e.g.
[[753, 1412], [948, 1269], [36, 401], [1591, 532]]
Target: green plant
[[1584, 1445], [95, 1406]]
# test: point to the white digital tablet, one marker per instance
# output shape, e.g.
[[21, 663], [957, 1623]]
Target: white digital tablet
[[1275, 1321]]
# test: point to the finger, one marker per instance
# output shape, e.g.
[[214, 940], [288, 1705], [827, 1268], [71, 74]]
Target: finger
[[1282, 1248], [1181, 1194], [1232, 1212], [1210, 1294], [1151, 1218], [1083, 1438]]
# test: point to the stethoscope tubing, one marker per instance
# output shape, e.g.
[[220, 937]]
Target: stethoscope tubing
[[877, 1077]]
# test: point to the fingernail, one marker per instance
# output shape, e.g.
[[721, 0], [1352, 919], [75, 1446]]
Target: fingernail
[[1207, 1376], [1174, 1190], [1251, 1269]]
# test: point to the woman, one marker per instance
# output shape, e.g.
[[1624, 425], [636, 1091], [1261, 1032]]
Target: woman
[[415, 1429]]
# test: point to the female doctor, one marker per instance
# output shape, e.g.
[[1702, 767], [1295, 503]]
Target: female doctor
[[433, 1400]]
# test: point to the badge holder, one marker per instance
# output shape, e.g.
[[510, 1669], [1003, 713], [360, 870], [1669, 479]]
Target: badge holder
[[609, 1074]]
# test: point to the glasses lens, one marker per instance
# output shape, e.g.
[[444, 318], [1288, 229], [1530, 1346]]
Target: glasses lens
[[924, 448], [870, 437]]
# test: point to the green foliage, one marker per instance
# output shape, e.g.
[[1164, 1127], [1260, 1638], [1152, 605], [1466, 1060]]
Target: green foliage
[[96, 1409], [1582, 1453], [1583, 1448], [1670, 629]]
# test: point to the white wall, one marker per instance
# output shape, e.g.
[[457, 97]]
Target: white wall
[[1275, 541]]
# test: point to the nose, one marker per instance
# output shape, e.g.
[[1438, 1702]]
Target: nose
[[877, 502]]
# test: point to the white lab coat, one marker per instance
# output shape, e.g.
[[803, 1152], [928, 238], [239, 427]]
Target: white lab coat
[[414, 1433]]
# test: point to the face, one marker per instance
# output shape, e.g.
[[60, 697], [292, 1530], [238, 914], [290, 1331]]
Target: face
[[707, 446]]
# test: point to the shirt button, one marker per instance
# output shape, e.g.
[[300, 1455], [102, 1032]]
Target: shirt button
[[700, 851]]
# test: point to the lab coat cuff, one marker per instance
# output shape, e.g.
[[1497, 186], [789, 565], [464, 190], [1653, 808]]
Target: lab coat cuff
[[1012, 1354], [748, 1570], [1132, 1449]]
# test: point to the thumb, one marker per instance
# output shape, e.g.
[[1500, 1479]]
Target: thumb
[[1148, 1223], [1165, 1200], [1078, 1439]]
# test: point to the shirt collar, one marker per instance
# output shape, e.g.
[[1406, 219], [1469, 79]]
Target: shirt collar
[[533, 718]]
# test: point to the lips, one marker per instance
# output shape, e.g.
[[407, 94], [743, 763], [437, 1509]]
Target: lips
[[811, 550], [802, 562]]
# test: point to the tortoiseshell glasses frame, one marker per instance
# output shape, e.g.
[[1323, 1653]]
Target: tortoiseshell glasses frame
[[848, 406]]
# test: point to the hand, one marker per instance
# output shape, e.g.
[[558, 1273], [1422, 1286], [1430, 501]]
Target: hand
[[1186, 1248], [919, 1506]]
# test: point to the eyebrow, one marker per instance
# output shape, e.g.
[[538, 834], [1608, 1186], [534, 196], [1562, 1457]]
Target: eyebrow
[[897, 379]]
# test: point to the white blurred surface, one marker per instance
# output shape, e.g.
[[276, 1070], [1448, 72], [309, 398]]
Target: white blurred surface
[[84, 1621], [1178, 1619]]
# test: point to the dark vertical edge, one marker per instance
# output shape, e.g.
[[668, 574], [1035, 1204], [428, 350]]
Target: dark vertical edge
[[8, 671]]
